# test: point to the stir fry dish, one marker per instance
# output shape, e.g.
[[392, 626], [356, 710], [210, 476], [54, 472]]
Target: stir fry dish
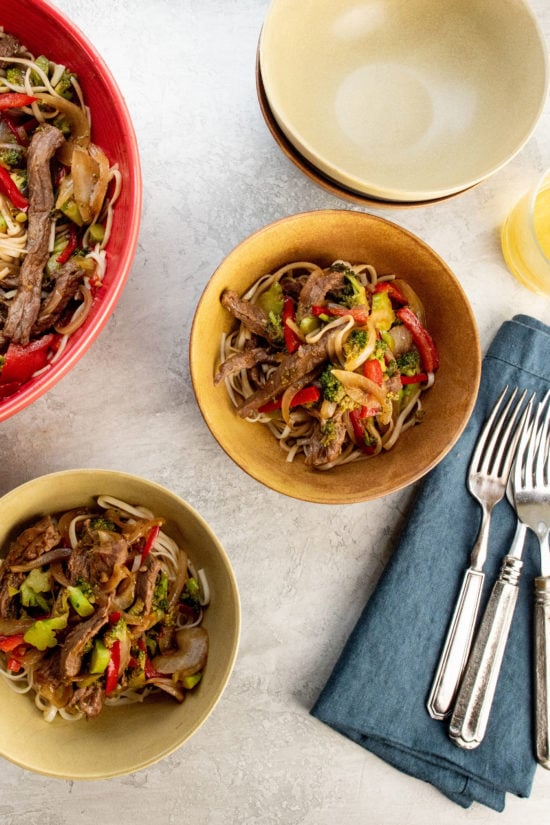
[[57, 192], [98, 606], [334, 360]]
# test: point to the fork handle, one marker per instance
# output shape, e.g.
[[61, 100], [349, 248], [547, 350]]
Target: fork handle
[[457, 645], [542, 670], [475, 695]]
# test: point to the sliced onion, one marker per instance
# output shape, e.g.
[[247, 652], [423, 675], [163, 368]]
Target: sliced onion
[[78, 122], [191, 655], [46, 558], [412, 299], [358, 387]]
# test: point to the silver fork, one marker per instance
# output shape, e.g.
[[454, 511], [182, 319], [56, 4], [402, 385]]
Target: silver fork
[[487, 475], [532, 493], [477, 689]]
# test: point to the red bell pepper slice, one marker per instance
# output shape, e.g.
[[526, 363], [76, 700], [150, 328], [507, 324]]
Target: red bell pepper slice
[[359, 314], [372, 369], [114, 616], [15, 100], [72, 244], [394, 293], [22, 361], [9, 643], [419, 378], [14, 664], [111, 674], [292, 342], [18, 132], [151, 538], [421, 337], [9, 188], [306, 396]]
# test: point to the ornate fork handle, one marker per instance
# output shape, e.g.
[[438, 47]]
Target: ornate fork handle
[[542, 669], [475, 696]]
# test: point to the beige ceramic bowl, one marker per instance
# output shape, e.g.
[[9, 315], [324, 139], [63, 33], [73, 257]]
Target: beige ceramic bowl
[[323, 237], [125, 739], [405, 101]]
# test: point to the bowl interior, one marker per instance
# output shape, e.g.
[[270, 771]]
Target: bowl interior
[[405, 101], [46, 30], [323, 237], [124, 739]]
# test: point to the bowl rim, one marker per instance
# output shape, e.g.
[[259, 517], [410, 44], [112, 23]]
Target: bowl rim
[[34, 388], [232, 649], [331, 168], [324, 497]]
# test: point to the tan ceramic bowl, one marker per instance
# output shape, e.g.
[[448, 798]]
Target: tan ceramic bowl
[[323, 237], [405, 101], [125, 739]]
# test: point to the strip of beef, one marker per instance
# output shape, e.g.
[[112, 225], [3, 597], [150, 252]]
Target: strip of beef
[[246, 359], [49, 681], [25, 307], [29, 545], [146, 581], [88, 700], [291, 369], [96, 559], [316, 288], [325, 446], [68, 278], [77, 640], [253, 317], [9, 47]]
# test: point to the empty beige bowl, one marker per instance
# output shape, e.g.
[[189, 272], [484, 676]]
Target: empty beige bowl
[[405, 101], [127, 738], [323, 237]]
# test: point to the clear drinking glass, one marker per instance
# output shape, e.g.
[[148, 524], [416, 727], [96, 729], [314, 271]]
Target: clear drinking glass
[[525, 238]]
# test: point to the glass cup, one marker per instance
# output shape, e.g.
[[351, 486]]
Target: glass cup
[[525, 238]]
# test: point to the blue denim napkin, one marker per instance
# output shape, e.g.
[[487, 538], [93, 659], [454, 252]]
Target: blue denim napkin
[[377, 692]]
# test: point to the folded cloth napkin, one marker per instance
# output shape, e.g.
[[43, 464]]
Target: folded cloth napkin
[[377, 692]]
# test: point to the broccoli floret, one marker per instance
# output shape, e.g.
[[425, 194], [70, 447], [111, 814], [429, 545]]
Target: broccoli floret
[[353, 294], [160, 595], [409, 362], [65, 87], [332, 388], [11, 158], [84, 587], [328, 432], [355, 342], [190, 594], [275, 328], [15, 74], [20, 178], [101, 523]]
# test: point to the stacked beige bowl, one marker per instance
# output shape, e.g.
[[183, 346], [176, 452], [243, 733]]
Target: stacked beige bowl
[[401, 102]]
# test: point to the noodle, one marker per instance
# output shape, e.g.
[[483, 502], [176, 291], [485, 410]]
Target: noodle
[[123, 596], [356, 401]]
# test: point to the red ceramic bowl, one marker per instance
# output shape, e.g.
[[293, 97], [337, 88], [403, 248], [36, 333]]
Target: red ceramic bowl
[[46, 30]]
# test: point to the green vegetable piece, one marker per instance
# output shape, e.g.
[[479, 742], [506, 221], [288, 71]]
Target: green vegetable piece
[[79, 601], [272, 299], [37, 582], [97, 232], [308, 324], [189, 682], [354, 293], [160, 595], [42, 633], [409, 363], [100, 657], [333, 389], [382, 311], [355, 342], [71, 211], [191, 592]]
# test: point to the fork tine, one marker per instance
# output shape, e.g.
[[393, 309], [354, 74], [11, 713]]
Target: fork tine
[[488, 428], [505, 435], [542, 456]]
